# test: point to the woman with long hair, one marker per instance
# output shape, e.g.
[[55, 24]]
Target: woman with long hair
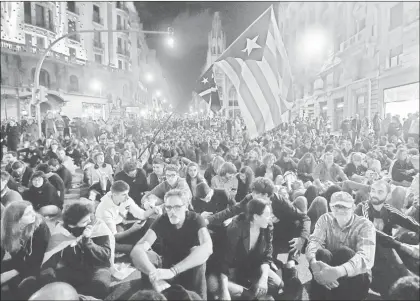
[[306, 167], [268, 169], [226, 179], [355, 170], [339, 157], [253, 160], [25, 236], [245, 178], [213, 169], [193, 177]]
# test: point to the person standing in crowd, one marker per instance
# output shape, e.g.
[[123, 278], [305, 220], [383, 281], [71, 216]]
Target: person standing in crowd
[[186, 245], [356, 127], [341, 252]]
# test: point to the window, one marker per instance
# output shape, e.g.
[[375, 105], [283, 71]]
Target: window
[[119, 5], [74, 84], [28, 39], [98, 58], [395, 56], [396, 16], [50, 20], [125, 66], [120, 65], [71, 6], [44, 78], [361, 24], [72, 52], [40, 42], [119, 22], [97, 39], [39, 15], [96, 14], [28, 12], [72, 26]]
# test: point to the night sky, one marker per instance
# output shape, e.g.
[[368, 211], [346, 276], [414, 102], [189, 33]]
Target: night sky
[[192, 22]]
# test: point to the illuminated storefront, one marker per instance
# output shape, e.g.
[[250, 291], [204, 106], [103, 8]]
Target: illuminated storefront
[[402, 100]]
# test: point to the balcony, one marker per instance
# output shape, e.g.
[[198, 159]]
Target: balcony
[[354, 43], [98, 46], [73, 10], [75, 38], [98, 20], [121, 6], [123, 52], [39, 26]]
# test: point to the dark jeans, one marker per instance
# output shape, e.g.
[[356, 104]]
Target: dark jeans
[[192, 280], [16, 288], [94, 283], [350, 288]]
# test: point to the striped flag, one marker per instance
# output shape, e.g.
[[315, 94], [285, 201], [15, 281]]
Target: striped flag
[[257, 65], [206, 87]]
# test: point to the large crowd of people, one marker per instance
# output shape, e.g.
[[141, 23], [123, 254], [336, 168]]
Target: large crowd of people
[[205, 213]]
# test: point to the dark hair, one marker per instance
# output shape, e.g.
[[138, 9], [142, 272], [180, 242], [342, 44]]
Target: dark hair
[[53, 162], [147, 295], [405, 288], [255, 206], [75, 211], [44, 167], [5, 176], [129, 166], [13, 153], [330, 191], [17, 165], [38, 174], [263, 186], [119, 186]]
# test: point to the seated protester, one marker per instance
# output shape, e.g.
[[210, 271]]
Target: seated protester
[[9, 158], [318, 154], [113, 210], [291, 228], [354, 170], [53, 178], [74, 154], [268, 169], [22, 175], [208, 201], [390, 151], [24, 235], [213, 169], [43, 195], [402, 170], [182, 164], [341, 252], [226, 179], [80, 252], [234, 157], [249, 252], [405, 288], [158, 174], [135, 178], [346, 147], [372, 162], [339, 158], [286, 163], [111, 156], [173, 181], [125, 156], [7, 195], [193, 177], [306, 167], [388, 266], [245, 178], [186, 246], [328, 172], [51, 151], [252, 160], [33, 155], [65, 160], [62, 172], [412, 194], [306, 148], [100, 176]]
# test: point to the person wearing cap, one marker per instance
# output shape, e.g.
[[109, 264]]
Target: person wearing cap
[[135, 178], [390, 265], [341, 252]]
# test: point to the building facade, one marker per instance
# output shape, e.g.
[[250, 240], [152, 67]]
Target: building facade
[[86, 75], [370, 62]]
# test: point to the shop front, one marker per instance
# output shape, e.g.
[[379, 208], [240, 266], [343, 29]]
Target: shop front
[[402, 100]]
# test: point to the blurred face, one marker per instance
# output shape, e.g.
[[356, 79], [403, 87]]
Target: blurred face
[[9, 158], [171, 177], [3, 184], [357, 162], [77, 230], [308, 160], [242, 177], [175, 208], [378, 193], [308, 144], [264, 219], [28, 216], [120, 197], [234, 151], [100, 159], [192, 171], [403, 155], [329, 159], [342, 214], [132, 173], [127, 155], [61, 153], [54, 147], [37, 182], [229, 176], [158, 169]]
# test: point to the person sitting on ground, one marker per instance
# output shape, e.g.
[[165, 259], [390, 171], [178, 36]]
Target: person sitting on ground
[[372, 162], [158, 174], [286, 163], [193, 177], [113, 210], [245, 178], [65, 160], [100, 177], [405, 288], [402, 170], [53, 178], [24, 235], [57, 291], [208, 201], [328, 172], [7, 195], [80, 252], [173, 181], [213, 169], [306, 167], [388, 265], [43, 196], [186, 245], [226, 179], [22, 175], [354, 170], [135, 178], [341, 252], [9, 158], [62, 172], [268, 169]]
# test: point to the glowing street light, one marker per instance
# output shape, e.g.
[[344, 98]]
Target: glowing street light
[[149, 77], [170, 42], [158, 93], [164, 100], [314, 43], [96, 86]]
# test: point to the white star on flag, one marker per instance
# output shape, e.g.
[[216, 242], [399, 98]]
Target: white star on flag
[[205, 80], [251, 45]]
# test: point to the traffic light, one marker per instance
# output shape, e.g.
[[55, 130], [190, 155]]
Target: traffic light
[[39, 95]]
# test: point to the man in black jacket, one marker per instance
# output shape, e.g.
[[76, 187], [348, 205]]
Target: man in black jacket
[[62, 171], [135, 178], [291, 225]]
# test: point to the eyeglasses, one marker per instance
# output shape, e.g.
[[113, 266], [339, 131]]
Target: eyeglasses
[[176, 208]]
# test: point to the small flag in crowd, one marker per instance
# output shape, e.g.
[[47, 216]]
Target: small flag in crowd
[[206, 87], [257, 65]]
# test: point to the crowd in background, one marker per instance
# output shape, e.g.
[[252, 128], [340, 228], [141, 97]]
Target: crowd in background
[[203, 212]]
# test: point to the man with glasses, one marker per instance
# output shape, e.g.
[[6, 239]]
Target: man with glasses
[[173, 181], [185, 247], [341, 252]]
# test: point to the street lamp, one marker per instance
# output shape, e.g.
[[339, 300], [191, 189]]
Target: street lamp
[[170, 42], [313, 43], [96, 86], [149, 77], [158, 93], [164, 100]]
